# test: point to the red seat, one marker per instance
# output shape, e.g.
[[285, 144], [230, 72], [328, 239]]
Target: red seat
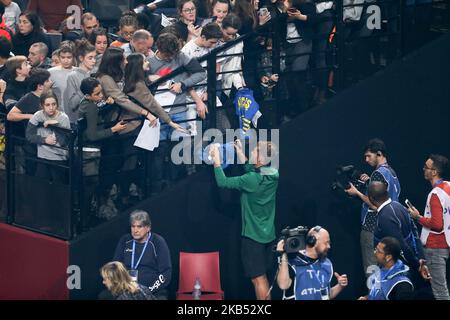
[[204, 266]]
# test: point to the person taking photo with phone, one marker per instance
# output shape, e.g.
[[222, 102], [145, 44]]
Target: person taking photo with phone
[[435, 223]]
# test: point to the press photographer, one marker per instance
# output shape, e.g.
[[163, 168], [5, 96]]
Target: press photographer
[[375, 156], [310, 268]]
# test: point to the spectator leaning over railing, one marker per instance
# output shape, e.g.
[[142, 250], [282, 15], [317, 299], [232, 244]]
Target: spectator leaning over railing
[[230, 26], [136, 88], [141, 42], [196, 48], [168, 58]]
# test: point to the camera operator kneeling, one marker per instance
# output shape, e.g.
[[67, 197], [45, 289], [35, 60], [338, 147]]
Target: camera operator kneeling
[[310, 268]]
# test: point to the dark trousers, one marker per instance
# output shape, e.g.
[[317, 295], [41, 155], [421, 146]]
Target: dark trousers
[[53, 172]]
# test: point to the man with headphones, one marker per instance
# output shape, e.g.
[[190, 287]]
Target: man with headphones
[[375, 156], [309, 272]]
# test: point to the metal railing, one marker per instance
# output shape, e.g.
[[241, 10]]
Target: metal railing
[[29, 197]]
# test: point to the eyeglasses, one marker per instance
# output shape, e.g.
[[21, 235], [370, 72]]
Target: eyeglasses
[[189, 10]]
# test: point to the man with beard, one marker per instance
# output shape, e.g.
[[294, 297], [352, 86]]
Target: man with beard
[[309, 272], [146, 255]]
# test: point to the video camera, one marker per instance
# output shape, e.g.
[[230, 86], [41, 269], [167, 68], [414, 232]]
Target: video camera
[[294, 239], [346, 175]]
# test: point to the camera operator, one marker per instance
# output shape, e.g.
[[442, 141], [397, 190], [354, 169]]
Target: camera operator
[[375, 156], [310, 268]]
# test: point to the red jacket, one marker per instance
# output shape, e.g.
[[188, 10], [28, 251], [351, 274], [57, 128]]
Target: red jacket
[[5, 31]]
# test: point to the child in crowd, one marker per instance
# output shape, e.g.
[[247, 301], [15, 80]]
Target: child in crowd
[[128, 25], [18, 70], [50, 141], [85, 54], [60, 74]]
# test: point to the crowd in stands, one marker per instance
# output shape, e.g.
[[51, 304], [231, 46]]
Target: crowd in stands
[[104, 76], [126, 59]]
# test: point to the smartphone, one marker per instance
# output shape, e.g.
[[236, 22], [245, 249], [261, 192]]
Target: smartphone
[[409, 204], [263, 12]]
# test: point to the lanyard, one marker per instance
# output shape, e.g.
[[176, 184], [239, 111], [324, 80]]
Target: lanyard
[[134, 267]]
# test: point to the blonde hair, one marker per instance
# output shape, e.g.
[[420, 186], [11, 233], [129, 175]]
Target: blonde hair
[[118, 277]]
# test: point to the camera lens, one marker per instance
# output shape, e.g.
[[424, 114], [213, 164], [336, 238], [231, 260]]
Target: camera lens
[[294, 243]]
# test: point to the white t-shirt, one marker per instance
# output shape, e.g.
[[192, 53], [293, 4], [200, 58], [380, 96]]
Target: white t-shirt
[[192, 50], [11, 15]]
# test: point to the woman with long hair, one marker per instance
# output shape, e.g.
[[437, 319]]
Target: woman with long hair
[[120, 284], [110, 74], [121, 151], [219, 10], [85, 54], [188, 24], [99, 39], [29, 31], [136, 88]]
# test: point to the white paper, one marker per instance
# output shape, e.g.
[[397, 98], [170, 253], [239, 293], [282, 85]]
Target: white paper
[[165, 98], [165, 22], [148, 137], [218, 102], [255, 118]]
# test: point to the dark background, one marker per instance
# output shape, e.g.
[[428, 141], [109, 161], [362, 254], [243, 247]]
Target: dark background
[[407, 106]]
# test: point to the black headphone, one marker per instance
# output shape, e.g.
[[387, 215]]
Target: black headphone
[[311, 238]]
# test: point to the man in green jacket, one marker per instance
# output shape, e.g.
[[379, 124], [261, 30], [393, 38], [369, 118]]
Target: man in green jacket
[[258, 187]]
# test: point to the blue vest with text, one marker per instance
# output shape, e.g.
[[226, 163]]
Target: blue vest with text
[[384, 281], [311, 278]]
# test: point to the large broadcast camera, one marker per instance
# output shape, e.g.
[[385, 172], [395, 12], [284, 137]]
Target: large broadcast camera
[[346, 175], [294, 239]]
